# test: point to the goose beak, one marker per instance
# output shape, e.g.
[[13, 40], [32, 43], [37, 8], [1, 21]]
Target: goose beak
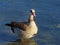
[[33, 13]]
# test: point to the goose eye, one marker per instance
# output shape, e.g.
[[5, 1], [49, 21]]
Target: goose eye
[[31, 11]]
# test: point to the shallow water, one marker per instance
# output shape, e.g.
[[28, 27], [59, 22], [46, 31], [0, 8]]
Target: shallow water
[[47, 19]]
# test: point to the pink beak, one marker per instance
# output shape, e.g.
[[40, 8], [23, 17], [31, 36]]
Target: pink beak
[[33, 13]]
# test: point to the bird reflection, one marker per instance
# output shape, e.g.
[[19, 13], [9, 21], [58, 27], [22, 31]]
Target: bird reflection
[[23, 42]]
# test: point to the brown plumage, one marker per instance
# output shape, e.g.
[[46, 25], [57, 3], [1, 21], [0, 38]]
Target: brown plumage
[[20, 25]]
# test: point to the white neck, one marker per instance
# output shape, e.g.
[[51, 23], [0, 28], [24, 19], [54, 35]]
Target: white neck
[[31, 18]]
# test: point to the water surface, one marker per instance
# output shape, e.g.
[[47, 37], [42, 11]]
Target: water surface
[[47, 19]]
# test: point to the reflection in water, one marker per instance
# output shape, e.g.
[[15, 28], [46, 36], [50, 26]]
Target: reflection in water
[[24, 42]]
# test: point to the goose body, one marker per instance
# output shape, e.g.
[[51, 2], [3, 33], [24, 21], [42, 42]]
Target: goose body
[[30, 31], [26, 29]]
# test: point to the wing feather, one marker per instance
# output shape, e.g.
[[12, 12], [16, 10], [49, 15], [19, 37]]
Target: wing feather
[[20, 25]]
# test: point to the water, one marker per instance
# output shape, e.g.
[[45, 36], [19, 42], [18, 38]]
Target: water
[[47, 19]]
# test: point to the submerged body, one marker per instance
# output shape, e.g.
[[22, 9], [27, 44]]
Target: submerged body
[[30, 31]]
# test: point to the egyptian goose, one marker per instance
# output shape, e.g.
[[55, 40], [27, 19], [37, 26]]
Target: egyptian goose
[[26, 29]]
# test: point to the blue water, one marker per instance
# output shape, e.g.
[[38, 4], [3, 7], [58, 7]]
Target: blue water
[[47, 19]]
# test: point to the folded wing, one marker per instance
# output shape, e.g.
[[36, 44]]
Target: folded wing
[[20, 25]]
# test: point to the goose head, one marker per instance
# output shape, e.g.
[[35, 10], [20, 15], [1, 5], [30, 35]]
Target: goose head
[[32, 12]]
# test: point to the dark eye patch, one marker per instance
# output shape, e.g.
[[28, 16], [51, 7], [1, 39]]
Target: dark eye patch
[[31, 11]]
